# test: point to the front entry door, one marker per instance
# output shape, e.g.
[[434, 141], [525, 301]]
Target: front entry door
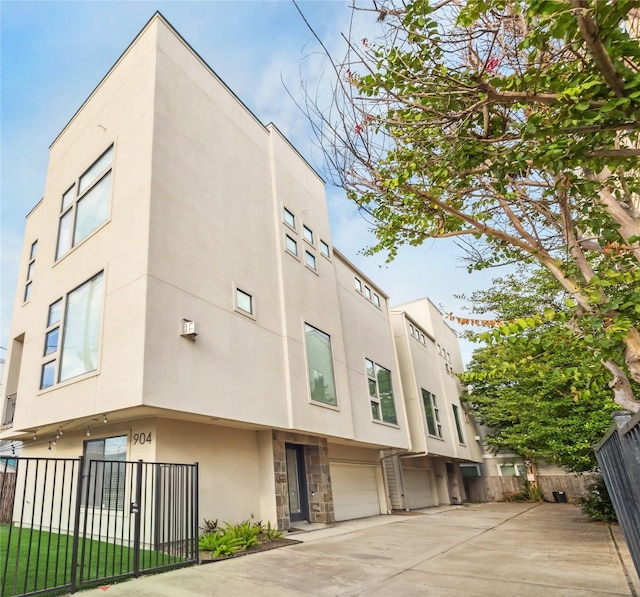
[[296, 477]]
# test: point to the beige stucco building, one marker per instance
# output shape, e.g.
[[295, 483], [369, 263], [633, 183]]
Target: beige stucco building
[[180, 300]]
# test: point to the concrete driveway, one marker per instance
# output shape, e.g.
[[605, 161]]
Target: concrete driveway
[[491, 550]]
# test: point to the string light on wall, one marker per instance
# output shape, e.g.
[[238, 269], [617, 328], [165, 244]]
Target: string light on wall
[[104, 420], [88, 432]]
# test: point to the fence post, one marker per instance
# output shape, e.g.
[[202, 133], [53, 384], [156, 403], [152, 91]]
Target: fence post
[[76, 527], [196, 513], [136, 508]]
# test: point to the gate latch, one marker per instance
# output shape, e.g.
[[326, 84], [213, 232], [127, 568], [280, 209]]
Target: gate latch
[[134, 508]]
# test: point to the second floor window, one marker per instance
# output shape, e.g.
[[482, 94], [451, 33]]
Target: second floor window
[[383, 407], [322, 383]]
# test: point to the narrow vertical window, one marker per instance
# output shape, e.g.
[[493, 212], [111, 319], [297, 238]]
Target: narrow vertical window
[[320, 364], [357, 284], [376, 300], [324, 249], [456, 418]]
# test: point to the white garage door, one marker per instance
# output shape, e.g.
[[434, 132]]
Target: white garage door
[[417, 488], [355, 491]]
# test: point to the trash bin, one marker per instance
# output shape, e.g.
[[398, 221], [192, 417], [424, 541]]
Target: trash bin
[[560, 497]]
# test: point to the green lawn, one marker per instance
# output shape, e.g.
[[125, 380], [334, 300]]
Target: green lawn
[[39, 560]]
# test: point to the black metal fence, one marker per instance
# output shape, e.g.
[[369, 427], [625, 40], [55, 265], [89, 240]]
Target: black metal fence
[[619, 458], [72, 523]]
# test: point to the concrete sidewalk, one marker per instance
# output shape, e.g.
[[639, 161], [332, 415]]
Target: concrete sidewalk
[[485, 550]]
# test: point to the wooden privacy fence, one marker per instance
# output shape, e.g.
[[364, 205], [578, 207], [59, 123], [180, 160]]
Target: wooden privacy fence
[[574, 486]]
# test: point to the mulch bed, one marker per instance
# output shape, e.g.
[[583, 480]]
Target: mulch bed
[[206, 557]]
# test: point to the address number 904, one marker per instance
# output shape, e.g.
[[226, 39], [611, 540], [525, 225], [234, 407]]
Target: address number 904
[[141, 438]]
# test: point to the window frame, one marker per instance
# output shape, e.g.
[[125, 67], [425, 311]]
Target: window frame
[[313, 266], [88, 495], [69, 208], [458, 424], [311, 370], [26, 297], [434, 410], [325, 249], [57, 320], [237, 307], [287, 212], [307, 234], [288, 239], [372, 369]]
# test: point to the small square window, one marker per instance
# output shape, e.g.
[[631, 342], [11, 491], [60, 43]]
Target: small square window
[[48, 373], [310, 260], [34, 249], [291, 245], [307, 234], [324, 249], [54, 312], [27, 292], [376, 300], [289, 218], [367, 292], [244, 301], [51, 341], [358, 284]]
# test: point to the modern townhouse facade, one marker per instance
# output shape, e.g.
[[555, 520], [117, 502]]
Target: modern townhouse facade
[[443, 465], [180, 300]]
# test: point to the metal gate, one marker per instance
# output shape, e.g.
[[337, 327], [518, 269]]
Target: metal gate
[[74, 523], [618, 456]]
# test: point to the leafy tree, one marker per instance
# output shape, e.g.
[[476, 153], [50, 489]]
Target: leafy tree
[[512, 126], [527, 388]]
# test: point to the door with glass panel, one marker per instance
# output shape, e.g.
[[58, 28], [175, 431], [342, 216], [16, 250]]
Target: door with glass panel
[[297, 484]]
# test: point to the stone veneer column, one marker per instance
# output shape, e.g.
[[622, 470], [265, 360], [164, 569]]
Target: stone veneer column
[[316, 460]]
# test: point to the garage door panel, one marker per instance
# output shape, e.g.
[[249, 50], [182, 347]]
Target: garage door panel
[[355, 491], [418, 491]]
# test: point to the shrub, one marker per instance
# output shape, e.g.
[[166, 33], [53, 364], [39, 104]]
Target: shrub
[[596, 504], [219, 544], [244, 532], [269, 533]]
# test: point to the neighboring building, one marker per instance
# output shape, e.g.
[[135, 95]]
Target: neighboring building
[[443, 436], [180, 300]]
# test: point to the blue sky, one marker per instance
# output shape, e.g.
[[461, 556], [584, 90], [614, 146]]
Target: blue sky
[[53, 54]]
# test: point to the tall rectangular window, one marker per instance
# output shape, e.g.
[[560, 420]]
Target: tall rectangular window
[[322, 383], [324, 249], [85, 205], [383, 407], [104, 472], [432, 414], [30, 269], [81, 329], [456, 418]]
